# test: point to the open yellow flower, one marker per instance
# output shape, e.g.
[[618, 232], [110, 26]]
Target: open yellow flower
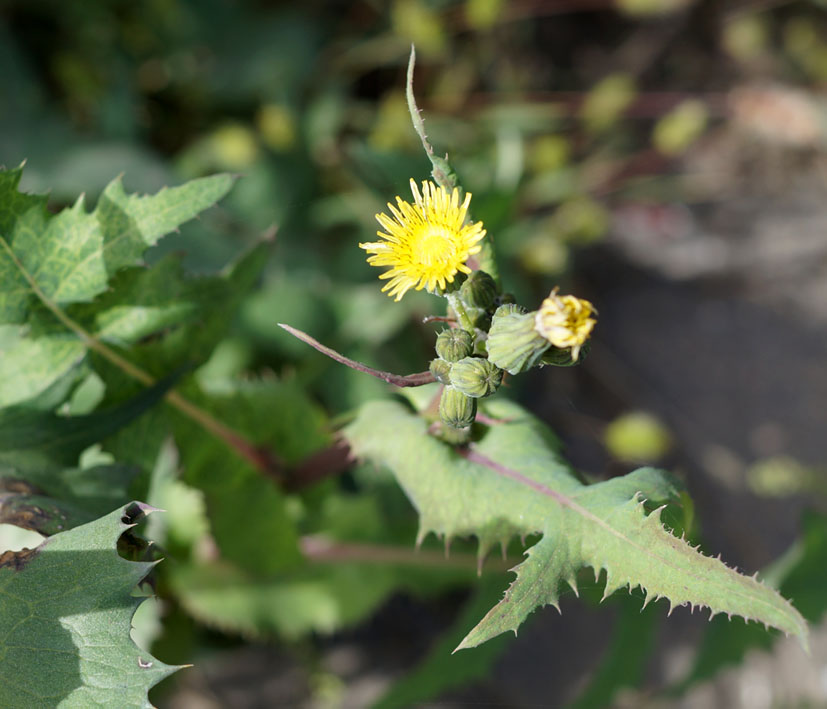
[[426, 243], [565, 321]]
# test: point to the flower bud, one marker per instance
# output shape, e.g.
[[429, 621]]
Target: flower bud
[[453, 345], [441, 370], [479, 290], [565, 321], [456, 409], [475, 377], [513, 344]]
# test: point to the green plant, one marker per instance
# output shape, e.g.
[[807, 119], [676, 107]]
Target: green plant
[[105, 359]]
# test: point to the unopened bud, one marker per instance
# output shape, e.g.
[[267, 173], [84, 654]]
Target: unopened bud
[[475, 377], [513, 343], [456, 409], [479, 291], [441, 370], [453, 345]]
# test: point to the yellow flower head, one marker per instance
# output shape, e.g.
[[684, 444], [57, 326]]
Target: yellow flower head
[[426, 243], [565, 321]]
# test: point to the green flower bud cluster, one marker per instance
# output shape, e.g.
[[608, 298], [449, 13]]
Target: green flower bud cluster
[[467, 378], [496, 335]]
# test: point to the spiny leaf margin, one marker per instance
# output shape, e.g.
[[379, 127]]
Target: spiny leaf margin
[[527, 488], [65, 619]]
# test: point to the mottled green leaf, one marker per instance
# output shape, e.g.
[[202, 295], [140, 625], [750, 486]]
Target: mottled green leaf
[[513, 482], [65, 618], [70, 257], [50, 262]]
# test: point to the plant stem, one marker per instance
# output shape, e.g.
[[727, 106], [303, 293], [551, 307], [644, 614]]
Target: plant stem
[[320, 549], [459, 308], [400, 380]]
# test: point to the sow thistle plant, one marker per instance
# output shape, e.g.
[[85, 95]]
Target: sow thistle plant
[[77, 303], [477, 465]]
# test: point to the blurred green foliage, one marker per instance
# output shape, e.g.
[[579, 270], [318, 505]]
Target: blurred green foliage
[[545, 118]]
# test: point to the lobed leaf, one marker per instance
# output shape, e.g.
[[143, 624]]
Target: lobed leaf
[[65, 620], [51, 263], [514, 482]]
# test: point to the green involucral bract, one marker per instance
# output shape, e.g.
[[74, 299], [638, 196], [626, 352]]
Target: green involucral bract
[[475, 377], [526, 488], [441, 370], [453, 345], [513, 344], [456, 409]]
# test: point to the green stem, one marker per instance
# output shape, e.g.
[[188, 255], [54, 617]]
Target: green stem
[[441, 171], [459, 308]]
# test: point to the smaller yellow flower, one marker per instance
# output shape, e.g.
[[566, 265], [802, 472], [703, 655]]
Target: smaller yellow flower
[[565, 321], [426, 243]]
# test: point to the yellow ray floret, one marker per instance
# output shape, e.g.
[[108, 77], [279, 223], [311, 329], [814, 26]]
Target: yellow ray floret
[[425, 243], [565, 321]]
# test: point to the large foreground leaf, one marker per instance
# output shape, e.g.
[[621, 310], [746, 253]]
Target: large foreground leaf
[[513, 482], [65, 620]]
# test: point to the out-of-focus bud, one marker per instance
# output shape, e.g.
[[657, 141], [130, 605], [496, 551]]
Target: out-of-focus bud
[[479, 290], [513, 344], [441, 370], [475, 377], [456, 409], [453, 345], [557, 357]]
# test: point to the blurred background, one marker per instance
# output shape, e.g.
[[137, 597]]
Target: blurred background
[[666, 159]]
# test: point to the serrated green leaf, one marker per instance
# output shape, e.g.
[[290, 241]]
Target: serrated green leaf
[[143, 301], [248, 512], [65, 619], [515, 483], [50, 262], [802, 576], [70, 257]]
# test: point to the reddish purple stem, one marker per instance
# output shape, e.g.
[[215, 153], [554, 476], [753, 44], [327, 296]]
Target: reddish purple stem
[[410, 380]]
